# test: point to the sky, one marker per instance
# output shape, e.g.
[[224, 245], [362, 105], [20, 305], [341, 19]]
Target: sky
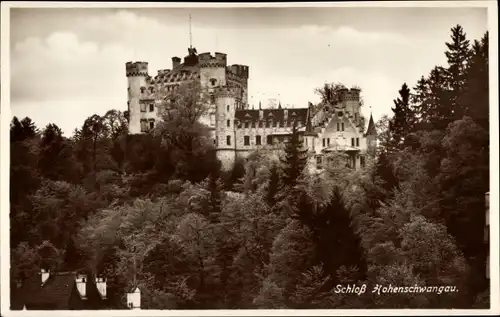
[[68, 64]]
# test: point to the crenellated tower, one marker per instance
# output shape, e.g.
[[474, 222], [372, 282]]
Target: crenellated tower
[[137, 74], [212, 69], [238, 77]]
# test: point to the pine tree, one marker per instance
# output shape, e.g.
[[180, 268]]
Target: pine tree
[[458, 56], [22, 130], [272, 186], [475, 96], [214, 186], [384, 173], [295, 159], [51, 160], [402, 121], [437, 109], [332, 230]]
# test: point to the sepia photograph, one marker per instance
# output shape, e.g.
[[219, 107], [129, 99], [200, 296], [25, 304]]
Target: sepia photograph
[[245, 158]]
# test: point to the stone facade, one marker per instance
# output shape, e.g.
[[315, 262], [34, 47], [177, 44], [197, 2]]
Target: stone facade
[[238, 130]]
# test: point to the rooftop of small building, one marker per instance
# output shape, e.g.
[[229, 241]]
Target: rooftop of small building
[[56, 293]]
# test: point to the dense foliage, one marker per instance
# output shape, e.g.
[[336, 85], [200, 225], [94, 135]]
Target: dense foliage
[[154, 210]]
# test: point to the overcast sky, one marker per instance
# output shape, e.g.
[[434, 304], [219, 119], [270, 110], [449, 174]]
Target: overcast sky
[[67, 64]]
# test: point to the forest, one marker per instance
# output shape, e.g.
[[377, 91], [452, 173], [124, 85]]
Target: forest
[[155, 211]]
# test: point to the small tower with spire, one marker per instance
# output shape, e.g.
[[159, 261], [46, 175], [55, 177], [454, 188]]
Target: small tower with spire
[[371, 135]]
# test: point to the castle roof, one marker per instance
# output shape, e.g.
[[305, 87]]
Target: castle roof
[[180, 73], [371, 127]]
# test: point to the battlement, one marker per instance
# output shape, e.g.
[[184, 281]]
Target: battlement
[[240, 70], [207, 60], [136, 69], [163, 71], [352, 94]]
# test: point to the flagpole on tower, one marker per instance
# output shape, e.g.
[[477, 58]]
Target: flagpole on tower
[[190, 33]]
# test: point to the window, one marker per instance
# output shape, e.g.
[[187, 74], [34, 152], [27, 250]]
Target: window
[[275, 124], [352, 141], [324, 142], [212, 99], [357, 141], [253, 124], [143, 107], [227, 108], [362, 161], [228, 123], [216, 140], [144, 125], [246, 140], [260, 124], [151, 124], [151, 89], [151, 107], [318, 162], [281, 124], [268, 124], [143, 89], [257, 140], [228, 140], [306, 142], [356, 116], [338, 126], [328, 141], [246, 125], [270, 139], [342, 126]]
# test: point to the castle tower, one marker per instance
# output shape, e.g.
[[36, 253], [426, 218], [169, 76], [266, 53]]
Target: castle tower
[[136, 73], [225, 134], [212, 70], [241, 71]]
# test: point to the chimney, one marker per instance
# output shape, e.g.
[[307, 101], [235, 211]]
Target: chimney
[[134, 299], [176, 61], [45, 275], [100, 283], [81, 285]]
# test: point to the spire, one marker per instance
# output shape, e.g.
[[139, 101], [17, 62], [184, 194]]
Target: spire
[[279, 105], [371, 127], [260, 105]]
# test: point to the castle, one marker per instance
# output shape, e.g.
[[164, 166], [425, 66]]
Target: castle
[[238, 130]]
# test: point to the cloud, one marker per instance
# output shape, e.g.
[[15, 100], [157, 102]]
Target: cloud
[[54, 76]]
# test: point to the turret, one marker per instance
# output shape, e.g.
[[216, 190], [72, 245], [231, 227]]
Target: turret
[[176, 61], [371, 135], [226, 133], [136, 73], [240, 71]]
